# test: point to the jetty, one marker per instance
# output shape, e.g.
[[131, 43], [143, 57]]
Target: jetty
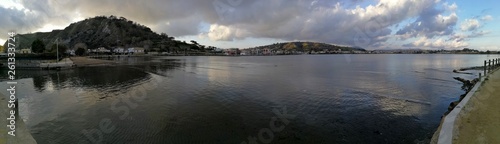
[[65, 63], [43, 64]]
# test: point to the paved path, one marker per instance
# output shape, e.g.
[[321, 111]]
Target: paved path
[[22, 133], [479, 120]]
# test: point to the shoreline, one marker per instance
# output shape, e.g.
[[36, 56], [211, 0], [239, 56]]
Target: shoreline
[[478, 120], [86, 61], [475, 119]]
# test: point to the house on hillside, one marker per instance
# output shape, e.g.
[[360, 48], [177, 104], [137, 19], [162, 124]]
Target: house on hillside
[[70, 52], [279, 52], [135, 50], [102, 50], [25, 51], [266, 51], [232, 51], [218, 50], [119, 50], [245, 52]]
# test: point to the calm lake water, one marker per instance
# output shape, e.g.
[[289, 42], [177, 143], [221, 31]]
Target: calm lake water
[[328, 98]]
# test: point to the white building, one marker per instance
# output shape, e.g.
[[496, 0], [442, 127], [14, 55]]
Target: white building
[[135, 50], [119, 50], [70, 52], [103, 50], [25, 51]]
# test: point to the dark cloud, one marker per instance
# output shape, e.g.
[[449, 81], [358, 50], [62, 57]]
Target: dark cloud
[[19, 21]]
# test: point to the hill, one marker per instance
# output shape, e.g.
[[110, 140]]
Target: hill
[[307, 47], [102, 31]]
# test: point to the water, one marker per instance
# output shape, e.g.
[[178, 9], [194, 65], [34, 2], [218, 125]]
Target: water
[[329, 99]]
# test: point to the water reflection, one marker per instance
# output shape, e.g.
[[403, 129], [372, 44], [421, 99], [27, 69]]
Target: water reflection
[[363, 99]]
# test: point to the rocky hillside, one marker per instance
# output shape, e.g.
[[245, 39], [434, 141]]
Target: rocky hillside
[[307, 47], [102, 31]]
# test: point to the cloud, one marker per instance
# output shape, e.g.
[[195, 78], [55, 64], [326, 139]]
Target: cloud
[[179, 27], [325, 21], [470, 25], [453, 7], [487, 18], [464, 37], [19, 21], [225, 33], [430, 23], [424, 42], [343, 22]]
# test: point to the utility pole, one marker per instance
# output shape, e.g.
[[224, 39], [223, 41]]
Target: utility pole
[[57, 49]]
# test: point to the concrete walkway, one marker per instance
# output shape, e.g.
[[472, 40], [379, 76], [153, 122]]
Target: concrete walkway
[[479, 120], [23, 135]]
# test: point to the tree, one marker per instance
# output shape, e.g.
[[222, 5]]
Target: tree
[[194, 42], [163, 36], [202, 48], [38, 46], [122, 18], [80, 51]]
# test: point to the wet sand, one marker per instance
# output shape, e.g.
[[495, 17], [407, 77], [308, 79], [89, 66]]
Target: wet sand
[[84, 61], [479, 120]]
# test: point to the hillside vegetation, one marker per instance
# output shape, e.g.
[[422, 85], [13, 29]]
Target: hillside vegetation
[[102, 31], [307, 47]]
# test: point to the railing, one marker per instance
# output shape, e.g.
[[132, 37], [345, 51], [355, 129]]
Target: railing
[[447, 127], [490, 65]]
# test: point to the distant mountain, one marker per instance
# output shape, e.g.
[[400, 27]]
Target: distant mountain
[[307, 47], [102, 31]]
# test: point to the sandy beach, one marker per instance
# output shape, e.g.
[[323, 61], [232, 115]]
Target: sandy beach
[[479, 120], [84, 61]]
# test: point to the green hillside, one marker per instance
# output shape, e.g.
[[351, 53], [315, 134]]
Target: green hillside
[[307, 47], [102, 31]]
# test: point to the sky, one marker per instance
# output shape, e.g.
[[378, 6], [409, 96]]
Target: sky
[[370, 24]]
